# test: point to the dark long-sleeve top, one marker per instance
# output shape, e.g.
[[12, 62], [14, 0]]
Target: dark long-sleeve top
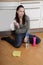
[[23, 28]]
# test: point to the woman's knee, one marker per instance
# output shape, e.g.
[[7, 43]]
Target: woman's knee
[[17, 45]]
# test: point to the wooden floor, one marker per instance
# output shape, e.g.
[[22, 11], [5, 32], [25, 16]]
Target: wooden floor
[[30, 56]]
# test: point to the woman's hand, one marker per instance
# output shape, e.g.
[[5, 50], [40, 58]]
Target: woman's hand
[[16, 24], [26, 39]]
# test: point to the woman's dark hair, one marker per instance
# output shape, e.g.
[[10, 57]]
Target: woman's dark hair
[[17, 18]]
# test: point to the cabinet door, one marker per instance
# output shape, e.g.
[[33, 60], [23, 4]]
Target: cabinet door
[[41, 21], [7, 14], [34, 24], [6, 17], [34, 18]]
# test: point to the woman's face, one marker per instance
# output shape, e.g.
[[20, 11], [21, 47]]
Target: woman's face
[[21, 12]]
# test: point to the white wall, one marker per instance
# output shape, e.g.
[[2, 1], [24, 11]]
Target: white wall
[[33, 9]]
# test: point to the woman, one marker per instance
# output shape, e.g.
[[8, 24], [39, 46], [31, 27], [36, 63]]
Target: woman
[[21, 23]]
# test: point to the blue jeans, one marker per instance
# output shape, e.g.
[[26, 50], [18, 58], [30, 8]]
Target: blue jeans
[[19, 38]]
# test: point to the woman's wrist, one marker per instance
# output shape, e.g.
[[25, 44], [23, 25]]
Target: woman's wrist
[[27, 35]]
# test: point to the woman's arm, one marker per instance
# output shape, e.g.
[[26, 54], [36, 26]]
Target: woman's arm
[[28, 29], [28, 26], [14, 25]]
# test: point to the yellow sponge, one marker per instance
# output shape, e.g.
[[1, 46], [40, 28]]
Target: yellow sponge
[[16, 53]]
